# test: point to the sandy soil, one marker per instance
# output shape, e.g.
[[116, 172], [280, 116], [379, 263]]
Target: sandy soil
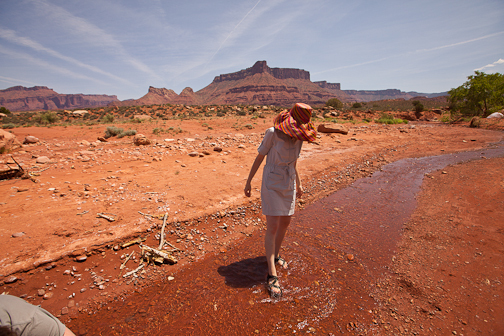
[[50, 223]]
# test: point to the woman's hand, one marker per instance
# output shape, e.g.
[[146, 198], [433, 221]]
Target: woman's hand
[[299, 190], [248, 190]]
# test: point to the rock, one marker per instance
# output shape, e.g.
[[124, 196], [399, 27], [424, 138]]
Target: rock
[[350, 257], [71, 304], [217, 149], [30, 139], [85, 143], [80, 258], [40, 292], [332, 128], [496, 115], [141, 140], [102, 139], [18, 234], [8, 142], [10, 279], [193, 154], [170, 278], [64, 310], [48, 295], [475, 122], [42, 159], [205, 152]]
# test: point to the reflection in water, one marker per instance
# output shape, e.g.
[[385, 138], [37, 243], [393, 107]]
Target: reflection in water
[[336, 249]]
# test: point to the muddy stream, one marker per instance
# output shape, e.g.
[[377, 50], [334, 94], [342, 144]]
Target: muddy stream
[[336, 248]]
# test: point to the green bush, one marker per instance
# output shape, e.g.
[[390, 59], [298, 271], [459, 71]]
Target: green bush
[[4, 110], [357, 105], [46, 118], [334, 102], [113, 131], [388, 119], [8, 126], [127, 133], [108, 118]]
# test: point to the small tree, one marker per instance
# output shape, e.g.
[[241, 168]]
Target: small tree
[[4, 110], [481, 94], [418, 108], [357, 105], [334, 102]]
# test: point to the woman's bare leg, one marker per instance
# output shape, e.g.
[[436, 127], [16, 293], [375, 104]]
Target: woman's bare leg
[[276, 227]]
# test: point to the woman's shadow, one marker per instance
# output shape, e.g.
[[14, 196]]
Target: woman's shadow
[[245, 273]]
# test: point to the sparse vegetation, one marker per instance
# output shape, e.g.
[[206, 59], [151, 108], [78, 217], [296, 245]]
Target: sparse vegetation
[[357, 105], [112, 131], [108, 118], [46, 118], [334, 102], [386, 118]]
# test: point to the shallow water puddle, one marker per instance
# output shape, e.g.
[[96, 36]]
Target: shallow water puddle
[[336, 249]]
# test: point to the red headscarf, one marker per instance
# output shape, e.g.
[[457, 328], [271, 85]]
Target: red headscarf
[[296, 123]]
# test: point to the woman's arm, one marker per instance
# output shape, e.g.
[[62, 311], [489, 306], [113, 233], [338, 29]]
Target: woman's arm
[[255, 166], [299, 187]]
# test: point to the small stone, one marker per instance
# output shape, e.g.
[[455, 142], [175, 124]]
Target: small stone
[[101, 287], [18, 234], [71, 303], [193, 154], [10, 279], [350, 257], [80, 258], [40, 292], [217, 149], [170, 278], [83, 290], [42, 159], [48, 295]]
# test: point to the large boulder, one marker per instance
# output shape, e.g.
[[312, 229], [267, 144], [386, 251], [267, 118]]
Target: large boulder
[[141, 140], [332, 128], [30, 139], [8, 142], [496, 115]]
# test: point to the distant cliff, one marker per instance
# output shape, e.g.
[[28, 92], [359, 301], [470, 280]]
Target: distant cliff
[[19, 98], [262, 67]]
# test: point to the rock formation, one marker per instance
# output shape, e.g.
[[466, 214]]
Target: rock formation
[[19, 98]]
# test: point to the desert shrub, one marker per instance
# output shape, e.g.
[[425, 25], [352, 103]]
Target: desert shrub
[[357, 105], [334, 102], [108, 118], [8, 126], [113, 131], [4, 110], [389, 119], [129, 132], [46, 118]]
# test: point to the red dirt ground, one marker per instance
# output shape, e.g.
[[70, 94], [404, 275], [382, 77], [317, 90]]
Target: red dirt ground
[[444, 280]]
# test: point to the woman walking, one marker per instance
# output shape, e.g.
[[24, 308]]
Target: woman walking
[[281, 146]]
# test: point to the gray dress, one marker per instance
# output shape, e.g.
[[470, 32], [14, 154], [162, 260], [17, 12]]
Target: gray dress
[[278, 190]]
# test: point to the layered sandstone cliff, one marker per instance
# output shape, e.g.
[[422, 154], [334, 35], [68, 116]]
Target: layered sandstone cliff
[[19, 98]]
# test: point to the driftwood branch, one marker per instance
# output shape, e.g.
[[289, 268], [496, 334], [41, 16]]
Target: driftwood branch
[[151, 253], [134, 241], [109, 218], [161, 243], [134, 271]]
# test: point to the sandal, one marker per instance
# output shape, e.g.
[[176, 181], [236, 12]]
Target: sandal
[[281, 261], [273, 284]]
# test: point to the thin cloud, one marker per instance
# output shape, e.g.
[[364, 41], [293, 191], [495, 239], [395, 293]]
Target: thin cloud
[[15, 81], [46, 65], [91, 33], [13, 37], [491, 65], [413, 52]]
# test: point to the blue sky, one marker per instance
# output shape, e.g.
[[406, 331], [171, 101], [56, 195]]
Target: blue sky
[[123, 47]]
